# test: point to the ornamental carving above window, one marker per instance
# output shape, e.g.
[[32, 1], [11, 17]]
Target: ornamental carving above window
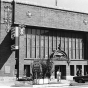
[[59, 54]]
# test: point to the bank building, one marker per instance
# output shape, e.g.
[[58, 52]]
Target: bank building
[[29, 32]]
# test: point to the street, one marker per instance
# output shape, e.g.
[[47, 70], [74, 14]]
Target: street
[[63, 84], [67, 86]]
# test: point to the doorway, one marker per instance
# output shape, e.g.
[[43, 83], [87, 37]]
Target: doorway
[[27, 70], [62, 69], [85, 69]]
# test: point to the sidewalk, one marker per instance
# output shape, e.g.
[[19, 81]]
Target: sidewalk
[[54, 84], [7, 83], [27, 84]]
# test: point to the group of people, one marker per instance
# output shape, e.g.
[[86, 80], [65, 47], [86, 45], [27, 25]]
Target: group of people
[[79, 73]]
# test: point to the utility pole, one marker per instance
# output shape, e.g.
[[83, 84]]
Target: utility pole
[[55, 2]]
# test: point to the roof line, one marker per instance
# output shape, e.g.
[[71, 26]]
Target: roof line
[[43, 6]]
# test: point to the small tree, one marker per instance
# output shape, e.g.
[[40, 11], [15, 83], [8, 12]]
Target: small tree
[[46, 67], [49, 67]]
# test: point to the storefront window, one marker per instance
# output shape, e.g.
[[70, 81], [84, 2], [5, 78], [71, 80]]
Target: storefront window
[[43, 42]]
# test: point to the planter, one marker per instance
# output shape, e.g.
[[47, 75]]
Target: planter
[[46, 80], [43, 81]]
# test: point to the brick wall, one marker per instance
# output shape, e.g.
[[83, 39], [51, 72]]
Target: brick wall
[[40, 16], [50, 18], [7, 57]]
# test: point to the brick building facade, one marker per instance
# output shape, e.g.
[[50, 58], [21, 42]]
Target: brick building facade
[[41, 30]]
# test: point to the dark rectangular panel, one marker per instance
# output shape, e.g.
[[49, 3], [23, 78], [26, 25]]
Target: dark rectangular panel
[[72, 70]]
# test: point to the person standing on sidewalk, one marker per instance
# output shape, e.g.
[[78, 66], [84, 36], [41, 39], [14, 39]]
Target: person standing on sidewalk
[[58, 76], [78, 72]]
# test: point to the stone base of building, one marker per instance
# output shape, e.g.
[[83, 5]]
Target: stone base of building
[[7, 78], [40, 81]]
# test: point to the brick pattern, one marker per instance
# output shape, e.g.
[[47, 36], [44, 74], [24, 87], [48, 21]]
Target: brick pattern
[[7, 57], [22, 54], [50, 18], [42, 17]]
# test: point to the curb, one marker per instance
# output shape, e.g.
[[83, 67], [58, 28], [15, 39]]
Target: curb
[[78, 84], [25, 84], [51, 85]]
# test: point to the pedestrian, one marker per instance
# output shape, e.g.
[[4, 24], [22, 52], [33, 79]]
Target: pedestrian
[[80, 72], [52, 75], [77, 73], [58, 76]]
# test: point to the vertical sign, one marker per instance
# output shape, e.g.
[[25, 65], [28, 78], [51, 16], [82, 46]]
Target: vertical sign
[[15, 38], [13, 33]]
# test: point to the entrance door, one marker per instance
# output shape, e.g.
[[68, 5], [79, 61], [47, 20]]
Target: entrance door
[[27, 70], [62, 69]]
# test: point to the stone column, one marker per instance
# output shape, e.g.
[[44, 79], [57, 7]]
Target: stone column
[[31, 65], [22, 49], [53, 69], [67, 71], [74, 70], [82, 69], [86, 46]]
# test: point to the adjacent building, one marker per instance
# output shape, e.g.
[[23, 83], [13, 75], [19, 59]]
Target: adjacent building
[[29, 32]]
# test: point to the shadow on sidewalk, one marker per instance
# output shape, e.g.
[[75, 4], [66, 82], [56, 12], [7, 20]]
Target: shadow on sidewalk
[[78, 84], [22, 84]]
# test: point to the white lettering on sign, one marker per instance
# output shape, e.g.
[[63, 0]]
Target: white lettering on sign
[[12, 47], [15, 37], [13, 33], [17, 32], [36, 65]]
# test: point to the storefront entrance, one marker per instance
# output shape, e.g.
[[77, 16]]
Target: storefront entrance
[[62, 69]]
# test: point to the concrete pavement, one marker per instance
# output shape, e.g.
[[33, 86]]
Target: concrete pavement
[[54, 84], [27, 84], [62, 84]]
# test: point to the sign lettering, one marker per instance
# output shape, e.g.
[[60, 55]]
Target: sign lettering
[[15, 38]]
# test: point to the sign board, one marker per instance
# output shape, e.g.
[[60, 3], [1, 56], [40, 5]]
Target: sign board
[[13, 33], [7, 69], [36, 66], [15, 38]]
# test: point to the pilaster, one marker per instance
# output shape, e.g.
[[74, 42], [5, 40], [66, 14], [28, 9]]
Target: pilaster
[[67, 71], [75, 70], [22, 49], [82, 69]]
